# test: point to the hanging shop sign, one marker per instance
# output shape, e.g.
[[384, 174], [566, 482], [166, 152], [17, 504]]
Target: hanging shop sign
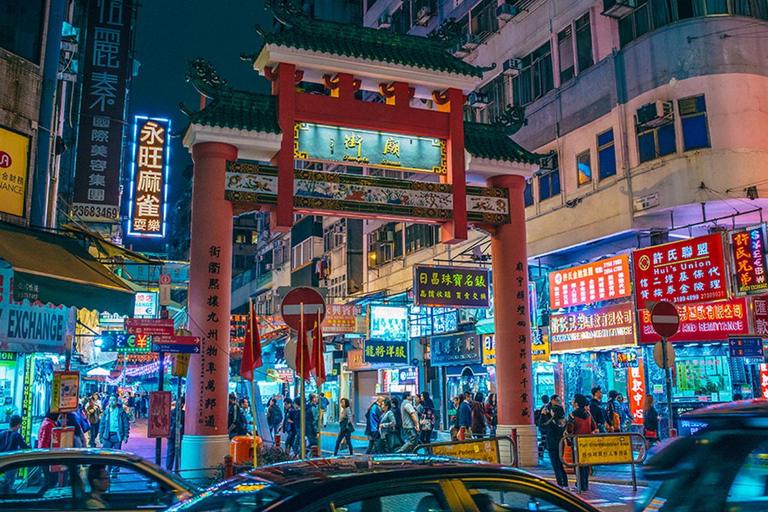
[[150, 326], [533, 304], [623, 359], [454, 349], [607, 279], [145, 305], [343, 319], [352, 146], [149, 177], [386, 352], [127, 343], [748, 253], [540, 345], [702, 322], [14, 171], [388, 323], [65, 392], [102, 110], [356, 360], [451, 286], [636, 397], [764, 380], [489, 348], [408, 375], [685, 272], [159, 421], [760, 314], [592, 328], [26, 398], [745, 346]]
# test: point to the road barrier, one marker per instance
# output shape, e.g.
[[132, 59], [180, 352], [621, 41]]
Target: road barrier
[[485, 448], [604, 450]]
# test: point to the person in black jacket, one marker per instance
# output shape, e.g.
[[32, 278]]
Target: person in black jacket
[[553, 423], [596, 408]]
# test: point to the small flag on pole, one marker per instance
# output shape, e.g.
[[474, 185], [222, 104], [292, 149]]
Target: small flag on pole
[[252, 346], [317, 352]]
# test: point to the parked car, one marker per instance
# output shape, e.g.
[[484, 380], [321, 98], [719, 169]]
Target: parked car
[[722, 466], [86, 479], [395, 483]]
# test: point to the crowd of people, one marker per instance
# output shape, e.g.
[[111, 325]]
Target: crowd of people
[[395, 427]]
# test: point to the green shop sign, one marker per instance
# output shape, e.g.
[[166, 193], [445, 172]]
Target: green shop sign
[[350, 146]]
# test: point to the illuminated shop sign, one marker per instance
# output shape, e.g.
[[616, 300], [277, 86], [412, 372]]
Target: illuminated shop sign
[[592, 328], [460, 348], [386, 352], [451, 286], [14, 168], [343, 319], [351, 146], [748, 252], [149, 177], [388, 323], [702, 322], [594, 282]]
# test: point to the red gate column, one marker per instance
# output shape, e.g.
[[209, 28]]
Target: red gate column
[[206, 439], [509, 258]]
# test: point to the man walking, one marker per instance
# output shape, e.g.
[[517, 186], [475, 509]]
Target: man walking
[[465, 416], [596, 408], [553, 422], [93, 411], [115, 426], [613, 412], [410, 425]]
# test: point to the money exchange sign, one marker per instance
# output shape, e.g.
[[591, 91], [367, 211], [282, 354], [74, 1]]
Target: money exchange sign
[[702, 322], [748, 248], [590, 328], [14, 167], [607, 279], [149, 177], [451, 286]]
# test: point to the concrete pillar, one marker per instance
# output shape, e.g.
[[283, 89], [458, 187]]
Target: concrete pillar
[[509, 258], [206, 439]]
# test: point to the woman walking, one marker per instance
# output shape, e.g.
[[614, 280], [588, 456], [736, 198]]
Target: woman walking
[[650, 421], [580, 422], [426, 418], [346, 427], [274, 416], [491, 412], [478, 416], [387, 428]]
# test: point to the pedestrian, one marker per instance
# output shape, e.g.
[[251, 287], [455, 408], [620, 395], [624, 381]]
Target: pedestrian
[[650, 421], [324, 403], [372, 420], [410, 422], [346, 427], [11, 440], [580, 422], [274, 416], [77, 421], [131, 404], [537, 421], [387, 428], [457, 400], [144, 403], [170, 454], [45, 432], [737, 397], [553, 421], [289, 425], [311, 418], [612, 414], [93, 411], [296, 420], [114, 428], [236, 418], [427, 418], [398, 437], [247, 420], [596, 408], [465, 417], [626, 415], [491, 414], [478, 416]]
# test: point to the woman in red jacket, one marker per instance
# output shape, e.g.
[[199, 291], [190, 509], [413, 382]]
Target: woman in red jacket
[[44, 435], [580, 422]]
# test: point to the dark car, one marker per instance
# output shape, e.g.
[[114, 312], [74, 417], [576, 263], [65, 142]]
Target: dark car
[[722, 466], [384, 484]]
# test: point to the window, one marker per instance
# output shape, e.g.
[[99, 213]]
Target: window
[[511, 496], [549, 184], [21, 28], [606, 154], [584, 168], [483, 20], [565, 49], [528, 192], [655, 142], [496, 93], [302, 253], [693, 117], [419, 236], [396, 502], [334, 235], [584, 43], [535, 79], [48, 487], [635, 25]]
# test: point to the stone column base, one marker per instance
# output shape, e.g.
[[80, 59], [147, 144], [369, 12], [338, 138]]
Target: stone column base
[[201, 454], [527, 445]]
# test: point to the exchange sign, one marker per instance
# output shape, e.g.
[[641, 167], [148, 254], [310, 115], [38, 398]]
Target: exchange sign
[[682, 272], [149, 177], [351, 146], [451, 286], [702, 322], [748, 251], [607, 279], [14, 167]]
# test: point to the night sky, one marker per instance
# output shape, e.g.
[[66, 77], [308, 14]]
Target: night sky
[[172, 32]]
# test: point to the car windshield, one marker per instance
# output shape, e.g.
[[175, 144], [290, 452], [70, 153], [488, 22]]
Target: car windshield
[[713, 471], [239, 494]]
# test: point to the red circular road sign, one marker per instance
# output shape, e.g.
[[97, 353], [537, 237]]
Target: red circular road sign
[[665, 319], [308, 299]]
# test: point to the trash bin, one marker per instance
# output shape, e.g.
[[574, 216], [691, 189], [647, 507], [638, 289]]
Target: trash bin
[[241, 448]]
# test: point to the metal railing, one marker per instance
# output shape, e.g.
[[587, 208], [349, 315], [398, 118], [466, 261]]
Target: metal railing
[[483, 448], [604, 450]]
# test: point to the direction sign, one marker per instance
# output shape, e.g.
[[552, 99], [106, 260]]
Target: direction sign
[[150, 326], [665, 319], [176, 348], [307, 298], [746, 346]]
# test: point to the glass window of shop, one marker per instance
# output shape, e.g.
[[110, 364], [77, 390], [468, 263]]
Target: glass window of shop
[[11, 370]]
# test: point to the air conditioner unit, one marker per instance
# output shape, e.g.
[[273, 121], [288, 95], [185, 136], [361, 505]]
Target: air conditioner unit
[[385, 20], [655, 114], [548, 162], [477, 100], [512, 66], [423, 16], [618, 8], [506, 12]]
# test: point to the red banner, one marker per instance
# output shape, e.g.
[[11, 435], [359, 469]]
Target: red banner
[[591, 328], [702, 322], [602, 280], [685, 272], [760, 312], [159, 422], [764, 380], [636, 397], [748, 250]]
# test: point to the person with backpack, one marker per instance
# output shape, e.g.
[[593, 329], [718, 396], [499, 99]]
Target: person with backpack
[[613, 413], [274, 416], [238, 424], [553, 422], [580, 422], [478, 416]]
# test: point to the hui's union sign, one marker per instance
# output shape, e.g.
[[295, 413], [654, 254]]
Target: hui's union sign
[[351, 146]]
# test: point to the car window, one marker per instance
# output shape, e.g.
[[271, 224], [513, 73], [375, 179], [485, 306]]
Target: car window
[[417, 501], [751, 481], [241, 493], [120, 487], [36, 487], [502, 496]]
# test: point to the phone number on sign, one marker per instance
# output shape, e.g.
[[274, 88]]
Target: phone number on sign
[[94, 211]]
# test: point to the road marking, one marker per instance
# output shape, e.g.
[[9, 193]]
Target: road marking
[[630, 498]]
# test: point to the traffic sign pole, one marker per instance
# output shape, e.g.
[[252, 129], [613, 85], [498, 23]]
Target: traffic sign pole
[[668, 382], [303, 390], [666, 322]]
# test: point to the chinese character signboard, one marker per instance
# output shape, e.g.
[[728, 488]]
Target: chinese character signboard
[[594, 282], [149, 177], [764, 380], [14, 167], [760, 314], [540, 345], [386, 352], [636, 382], [356, 360], [748, 251], [65, 392], [451, 286], [145, 305], [702, 322], [102, 110], [592, 328], [623, 359], [461, 348], [351, 146], [682, 272], [605, 449], [342, 319], [489, 348]]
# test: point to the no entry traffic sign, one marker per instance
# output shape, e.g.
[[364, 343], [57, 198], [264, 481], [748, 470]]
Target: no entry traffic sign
[[665, 319], [308, 299]]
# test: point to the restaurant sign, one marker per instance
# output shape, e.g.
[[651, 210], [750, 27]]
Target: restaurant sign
[[607, 279], [451, 287], [352, 146], [702, 322], [461, 348], [684, 272], [592, 328], [748, 252]]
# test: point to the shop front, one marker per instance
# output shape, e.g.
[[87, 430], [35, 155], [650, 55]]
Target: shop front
[[459, 359]]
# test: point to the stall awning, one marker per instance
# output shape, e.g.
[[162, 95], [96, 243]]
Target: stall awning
[[57, 269]]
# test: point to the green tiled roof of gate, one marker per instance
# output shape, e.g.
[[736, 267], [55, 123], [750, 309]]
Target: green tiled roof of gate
[[240, 110], [491, 142], [371, 44]]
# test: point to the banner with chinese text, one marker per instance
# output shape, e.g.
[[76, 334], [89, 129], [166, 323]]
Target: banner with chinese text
[[343, 319], [149, 177], [460, 348], [702, 322], [607, 279], [592, 328], [748, 252], [636, 382], [451, 286], [386, 352], [760, 314]]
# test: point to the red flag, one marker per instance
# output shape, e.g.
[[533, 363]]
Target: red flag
[[252, 346], [303, 355], [318, 361]]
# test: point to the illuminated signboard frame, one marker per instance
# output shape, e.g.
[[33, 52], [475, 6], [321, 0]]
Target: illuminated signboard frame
[[748, 257], [162, 194], [437, 286], [397, 331], [598, 281], [607, 326], [14, 171]]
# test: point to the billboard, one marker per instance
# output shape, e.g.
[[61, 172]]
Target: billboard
[[748, 253], [606, 279], [451, 286], [702, 322], [102, 110], [388, 323], [149, 177], [592, 328], [14, 169]]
